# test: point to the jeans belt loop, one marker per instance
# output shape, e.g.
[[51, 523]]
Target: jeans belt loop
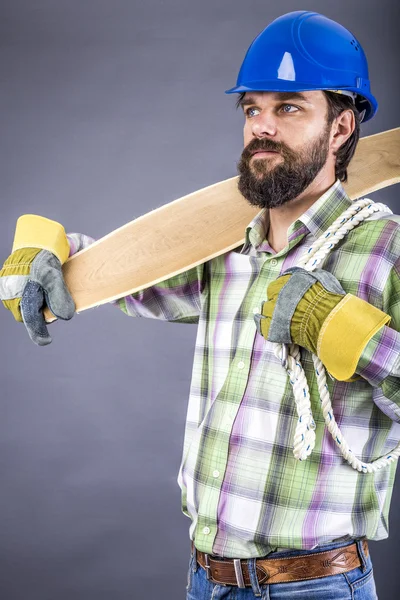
[[238, 572], [361, 555]]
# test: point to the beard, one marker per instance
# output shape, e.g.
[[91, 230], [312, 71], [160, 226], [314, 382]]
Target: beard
[[269, 186]]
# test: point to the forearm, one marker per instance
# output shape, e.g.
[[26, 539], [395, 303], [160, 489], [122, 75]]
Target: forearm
[[176, 299]]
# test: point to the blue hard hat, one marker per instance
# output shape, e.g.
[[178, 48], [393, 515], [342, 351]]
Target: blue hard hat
[[303, 51]]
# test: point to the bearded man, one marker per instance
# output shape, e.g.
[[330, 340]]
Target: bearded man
[[265, 523]]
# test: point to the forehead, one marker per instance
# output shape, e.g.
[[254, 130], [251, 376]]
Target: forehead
[[315, 97]]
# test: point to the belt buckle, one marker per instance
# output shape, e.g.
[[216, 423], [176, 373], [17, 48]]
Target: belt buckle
[[237, 564], [238, 572], [207, 566]]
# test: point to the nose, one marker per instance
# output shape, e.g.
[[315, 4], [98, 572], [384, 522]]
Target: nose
[[264, 125]]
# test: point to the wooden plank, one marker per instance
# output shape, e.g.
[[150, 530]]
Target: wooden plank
[[197, 228]]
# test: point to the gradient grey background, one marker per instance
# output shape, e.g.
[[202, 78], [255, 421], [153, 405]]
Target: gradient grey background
[[110, 108]]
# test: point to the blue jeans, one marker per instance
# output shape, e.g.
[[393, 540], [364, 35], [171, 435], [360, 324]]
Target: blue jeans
[[357, 584]]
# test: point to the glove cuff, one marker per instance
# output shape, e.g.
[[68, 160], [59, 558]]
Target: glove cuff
[[346, 332], [33, 231]]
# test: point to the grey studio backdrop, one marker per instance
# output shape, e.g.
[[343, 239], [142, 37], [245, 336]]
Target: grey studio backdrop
[[110, 108]]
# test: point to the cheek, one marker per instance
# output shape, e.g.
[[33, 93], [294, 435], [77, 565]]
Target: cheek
[[247, 134]]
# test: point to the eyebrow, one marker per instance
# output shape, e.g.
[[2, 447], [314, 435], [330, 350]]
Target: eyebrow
[[279, 97]]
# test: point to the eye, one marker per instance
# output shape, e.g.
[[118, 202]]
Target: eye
[[290, 106], [249, 112], [252, 111]]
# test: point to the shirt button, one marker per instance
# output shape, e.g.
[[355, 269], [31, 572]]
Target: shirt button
[[273, 262], [216, 473], [206, 530], [240, 365]]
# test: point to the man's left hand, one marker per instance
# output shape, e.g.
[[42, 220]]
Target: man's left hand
[[298, 303], [312, 310]]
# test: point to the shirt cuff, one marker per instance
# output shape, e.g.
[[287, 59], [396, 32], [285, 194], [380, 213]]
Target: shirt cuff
[[380, 357], [78, 241]]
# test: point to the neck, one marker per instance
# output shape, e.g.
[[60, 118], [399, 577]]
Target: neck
[[282, 217]]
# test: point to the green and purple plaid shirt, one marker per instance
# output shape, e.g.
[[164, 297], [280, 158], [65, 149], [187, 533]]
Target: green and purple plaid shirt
[[241, 486]]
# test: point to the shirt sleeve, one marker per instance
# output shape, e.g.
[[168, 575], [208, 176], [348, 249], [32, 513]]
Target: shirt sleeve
[[380, 361], [78, 241], [177, 299]]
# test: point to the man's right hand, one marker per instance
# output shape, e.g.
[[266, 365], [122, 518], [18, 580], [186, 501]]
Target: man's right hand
[[32, 277]]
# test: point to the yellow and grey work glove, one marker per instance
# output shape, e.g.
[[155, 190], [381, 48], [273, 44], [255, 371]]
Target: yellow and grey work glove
[[312, 310], [31, 277]]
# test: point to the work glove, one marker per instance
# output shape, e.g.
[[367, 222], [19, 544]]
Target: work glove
[[31, 277], [312, 310]]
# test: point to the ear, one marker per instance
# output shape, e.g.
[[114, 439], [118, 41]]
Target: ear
[[342, 128]]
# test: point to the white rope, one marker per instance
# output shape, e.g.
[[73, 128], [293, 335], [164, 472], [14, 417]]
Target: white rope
[[304, 438]]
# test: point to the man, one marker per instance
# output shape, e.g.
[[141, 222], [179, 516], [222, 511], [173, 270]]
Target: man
[[264, 524]]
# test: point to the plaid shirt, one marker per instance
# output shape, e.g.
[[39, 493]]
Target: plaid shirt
[[241, 486]]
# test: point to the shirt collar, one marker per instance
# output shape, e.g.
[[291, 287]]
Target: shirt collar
[[256, 231], [320, 216], [316, 219]]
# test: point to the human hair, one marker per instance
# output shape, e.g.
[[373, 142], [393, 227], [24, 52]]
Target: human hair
[[336, 104]]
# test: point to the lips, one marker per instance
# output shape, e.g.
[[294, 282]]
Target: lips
[[260, 151]]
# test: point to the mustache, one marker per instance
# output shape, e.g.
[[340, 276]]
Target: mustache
[[265, 145]]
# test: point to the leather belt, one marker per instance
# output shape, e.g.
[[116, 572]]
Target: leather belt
[[234, 572]]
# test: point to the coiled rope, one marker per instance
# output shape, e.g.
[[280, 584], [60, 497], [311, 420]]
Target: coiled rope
[[304, 438]]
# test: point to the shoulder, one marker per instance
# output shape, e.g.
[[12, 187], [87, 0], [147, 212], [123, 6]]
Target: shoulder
[[380, 232]]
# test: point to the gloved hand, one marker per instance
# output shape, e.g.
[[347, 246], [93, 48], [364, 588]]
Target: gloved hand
[[312, 310], [32, 277]]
